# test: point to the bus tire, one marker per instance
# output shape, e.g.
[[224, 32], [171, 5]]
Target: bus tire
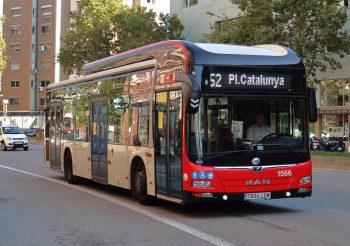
[[68, 169], [3, 145], [139, 186]]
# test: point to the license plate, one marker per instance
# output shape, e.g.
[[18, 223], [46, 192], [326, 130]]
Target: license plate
[[257, 196], [340, 148], [18, 142]]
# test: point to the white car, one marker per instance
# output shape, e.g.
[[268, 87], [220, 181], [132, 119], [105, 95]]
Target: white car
[[13, 137]]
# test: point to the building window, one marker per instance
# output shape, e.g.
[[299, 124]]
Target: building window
[[151, 1], [44, 65], [14, 101], [188, 3], [42, 101], [16, 30], [14, 83], [79, 7], [44, 83], [335, 93], [15, 66], [16, 12], [346, 3], [44, 47], [46, 10], [15, 48], [46, 28]]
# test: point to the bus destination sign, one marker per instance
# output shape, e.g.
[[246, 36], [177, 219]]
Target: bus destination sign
[[247, 81]]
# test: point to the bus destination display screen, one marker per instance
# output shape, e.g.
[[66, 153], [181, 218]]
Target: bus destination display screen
[[231, 80]]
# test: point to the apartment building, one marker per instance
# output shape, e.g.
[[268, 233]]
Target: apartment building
[[198, 15], [158, 6], [32, 31]]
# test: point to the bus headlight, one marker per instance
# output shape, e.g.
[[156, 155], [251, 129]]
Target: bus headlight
[[305, 180], [201, 184]]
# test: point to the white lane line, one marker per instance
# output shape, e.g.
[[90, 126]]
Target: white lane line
[[330, 169], [183, 227], [331, 183]]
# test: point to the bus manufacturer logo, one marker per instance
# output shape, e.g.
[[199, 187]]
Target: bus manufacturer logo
[[257, 169], [256, 161], [253, 182]]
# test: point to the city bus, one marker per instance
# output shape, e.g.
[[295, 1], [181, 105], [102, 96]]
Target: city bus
[[169, 121]]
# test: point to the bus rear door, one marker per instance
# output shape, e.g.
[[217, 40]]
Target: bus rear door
[[99, 140], [56, 125]]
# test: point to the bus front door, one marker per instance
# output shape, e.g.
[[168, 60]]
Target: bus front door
[[99, 140], [168, 143], [56, 128]]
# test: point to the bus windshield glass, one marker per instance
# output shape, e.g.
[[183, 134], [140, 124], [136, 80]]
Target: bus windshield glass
[[232, 130]]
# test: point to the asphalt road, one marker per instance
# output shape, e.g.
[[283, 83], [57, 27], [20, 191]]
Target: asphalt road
[[37, 207]]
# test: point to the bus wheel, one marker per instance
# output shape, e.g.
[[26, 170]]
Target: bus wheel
[[3, 145], [68, 169], [140, 185]]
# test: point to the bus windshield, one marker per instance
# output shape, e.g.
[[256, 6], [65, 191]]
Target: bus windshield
[[231, 130]]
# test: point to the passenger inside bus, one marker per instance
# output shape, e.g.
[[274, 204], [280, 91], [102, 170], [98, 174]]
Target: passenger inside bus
[[259, 130]]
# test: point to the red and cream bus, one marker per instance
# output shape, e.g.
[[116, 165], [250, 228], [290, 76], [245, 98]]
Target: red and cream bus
[[169, 120]]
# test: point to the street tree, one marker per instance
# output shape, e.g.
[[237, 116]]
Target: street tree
[[2, 48], [106, 27], [313, 28]]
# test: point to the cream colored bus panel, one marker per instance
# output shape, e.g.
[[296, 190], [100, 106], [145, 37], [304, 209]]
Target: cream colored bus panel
[[81, 160], [118, 166]]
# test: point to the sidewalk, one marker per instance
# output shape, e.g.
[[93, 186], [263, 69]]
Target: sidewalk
[[36, 141], [331, 162]]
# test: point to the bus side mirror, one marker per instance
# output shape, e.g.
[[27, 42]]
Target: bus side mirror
[[312, 105]]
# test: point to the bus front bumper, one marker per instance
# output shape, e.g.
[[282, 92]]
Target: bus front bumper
[[194, 197]]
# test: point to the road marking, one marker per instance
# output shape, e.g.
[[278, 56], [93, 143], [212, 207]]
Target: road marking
[[331, 183], [330, 169], [183, 227]]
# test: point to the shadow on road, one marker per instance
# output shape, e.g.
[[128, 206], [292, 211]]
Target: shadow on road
[[207, 210]]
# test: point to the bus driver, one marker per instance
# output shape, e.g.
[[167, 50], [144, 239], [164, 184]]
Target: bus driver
[[259, 130]]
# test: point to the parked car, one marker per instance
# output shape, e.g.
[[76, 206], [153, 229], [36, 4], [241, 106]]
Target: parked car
[[13, 137], [31, 132]]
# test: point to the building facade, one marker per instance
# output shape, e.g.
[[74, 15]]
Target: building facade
[[199, 15], [158, 6], [32, 31]]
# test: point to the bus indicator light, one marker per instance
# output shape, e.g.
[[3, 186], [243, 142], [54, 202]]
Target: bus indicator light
[[185, 177]]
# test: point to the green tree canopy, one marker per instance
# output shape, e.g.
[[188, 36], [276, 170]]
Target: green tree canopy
[[106, 27], [2, 48], [311, 28]]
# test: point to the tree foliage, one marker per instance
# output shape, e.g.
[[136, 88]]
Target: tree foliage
[[106, 27], [311, 28], [2, 48]]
